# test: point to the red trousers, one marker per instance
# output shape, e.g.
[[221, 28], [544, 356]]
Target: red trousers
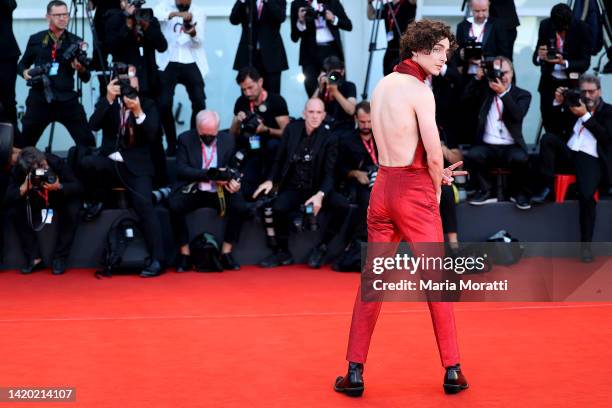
[[403, 205]]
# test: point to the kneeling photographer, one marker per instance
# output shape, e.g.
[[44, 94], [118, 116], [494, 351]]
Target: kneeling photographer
[[207, 176], [338, 94], [43, 190], [581, 144], [304, 173], [130, 124]]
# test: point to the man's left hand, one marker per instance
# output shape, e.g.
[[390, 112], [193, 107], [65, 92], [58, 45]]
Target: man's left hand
[[191, 31], [133, 105], [76, 65], [261, 128], [333, 90], [559, 60], [316, 201], [579, 110], [53, 187], [329, 16], [497, 86], [233, 186]]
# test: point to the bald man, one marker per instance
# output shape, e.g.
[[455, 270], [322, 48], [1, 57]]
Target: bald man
[[304, 173], [201, 152]]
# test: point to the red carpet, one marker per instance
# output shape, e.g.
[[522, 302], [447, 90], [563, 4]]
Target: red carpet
[[277, 338]]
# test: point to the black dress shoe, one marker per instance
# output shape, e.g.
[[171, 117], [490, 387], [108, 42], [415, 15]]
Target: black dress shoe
[[229, 263], [454, 380], [154, 269], [351, 384], [315, 260], [33, 267], [278, 258], [183, 263], [93, 211], [541, 197], [58, 266], [586, 255]]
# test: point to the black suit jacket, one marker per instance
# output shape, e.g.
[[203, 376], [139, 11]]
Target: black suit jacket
[[516, 104], [189, 157], [124, 46], [137, 157], [324, 151], [505, 12], [600, 125], [494, 40], [308, 45], [576, 49], [265, 30], [9, 50], [71, 186]]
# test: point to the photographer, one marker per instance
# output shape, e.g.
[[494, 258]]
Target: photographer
[[43, 187], [562, 52], [130, 123], [499, 139], [400, 11], [338, 94], [56, 54], [184, 62], [9, 54], [580, 143], [317, 23], [268, 52], [303, 170], [204, 180]]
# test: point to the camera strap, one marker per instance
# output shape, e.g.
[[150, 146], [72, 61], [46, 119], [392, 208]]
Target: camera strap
[[391, 11], [262, 97], [560, 42], [222, 201]]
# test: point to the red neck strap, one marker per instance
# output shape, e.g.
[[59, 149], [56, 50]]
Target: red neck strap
[[410, 67]]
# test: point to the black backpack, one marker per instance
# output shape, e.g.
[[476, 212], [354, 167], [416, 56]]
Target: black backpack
[[126, 250], [350, 260], [205, 253]]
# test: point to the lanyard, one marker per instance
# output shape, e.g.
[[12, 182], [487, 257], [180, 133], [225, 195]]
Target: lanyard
[[259, 8], [479, 39], [390, 18], [560, 42], [45, 195], [262, 97], [205, 161], [369, 146], [499, 110], [54, 51]]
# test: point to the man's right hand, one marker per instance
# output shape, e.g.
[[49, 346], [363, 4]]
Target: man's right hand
[[264, 187], [127, 8], [559, 98], [302, 15], [542, 53], [112, 91], [25, 75], [360, 176], [25, 186]]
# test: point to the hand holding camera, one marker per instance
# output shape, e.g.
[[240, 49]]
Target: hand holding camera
[[133, 104], [113, 90], [316, 201], [264, 187], [329, 16]]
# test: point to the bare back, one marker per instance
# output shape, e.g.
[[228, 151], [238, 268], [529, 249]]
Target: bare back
[[394, 117]]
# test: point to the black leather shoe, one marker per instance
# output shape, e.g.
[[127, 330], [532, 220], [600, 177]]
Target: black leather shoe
[[58, 266], [154, 269], [541, 197], [33, 267], [351, 384], [183, 263], [454, 380], [229, 263], [93, 211], [586, 255], [278, 258], [315, 259]]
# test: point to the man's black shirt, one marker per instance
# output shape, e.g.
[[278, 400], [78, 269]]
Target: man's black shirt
[[404, 14], [334, 109], [301, 169], [40, 51], [275, 106]]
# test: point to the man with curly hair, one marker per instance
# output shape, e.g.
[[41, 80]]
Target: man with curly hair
[[404, 202]]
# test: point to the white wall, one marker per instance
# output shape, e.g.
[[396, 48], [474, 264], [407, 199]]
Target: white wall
[[222, 39]]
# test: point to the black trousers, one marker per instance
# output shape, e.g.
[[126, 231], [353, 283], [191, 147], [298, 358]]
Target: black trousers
[[8, 103], [39, 114], [190, 77], [448, 210], [313, 70], [288, 202], [547, 89], [181, 204], [556, 157], [271, 80], [511, 37], [481, 158], [390, 60], [103, 173], [65, 216]]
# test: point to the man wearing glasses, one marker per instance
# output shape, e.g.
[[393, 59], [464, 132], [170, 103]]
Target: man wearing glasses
[[49, 70]]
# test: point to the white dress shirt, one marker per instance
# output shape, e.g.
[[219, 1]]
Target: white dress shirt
[[496, 132], [582, 140], [324, 35], [476, 31]]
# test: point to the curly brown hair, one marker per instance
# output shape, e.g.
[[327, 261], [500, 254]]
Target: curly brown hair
[[423, 35]]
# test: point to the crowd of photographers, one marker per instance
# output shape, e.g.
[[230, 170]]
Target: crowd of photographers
[[284, 170]]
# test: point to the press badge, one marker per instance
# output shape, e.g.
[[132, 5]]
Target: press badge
[[129, 233], [53, 70], [255, 142], [390, 35], [46, 216]]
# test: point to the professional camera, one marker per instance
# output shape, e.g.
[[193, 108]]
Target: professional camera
[[121, 72], [306, 220], [552, 51], [136, 3], [312, 14], [492, 70], [249, 125], [334, 77], [472, 50], [40, 176], [372, 174], [77, 51], [140, 15], [572, 97], [187, 24], [39, 79]]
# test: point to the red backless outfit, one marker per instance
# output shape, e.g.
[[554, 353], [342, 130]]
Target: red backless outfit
[[403, 205]]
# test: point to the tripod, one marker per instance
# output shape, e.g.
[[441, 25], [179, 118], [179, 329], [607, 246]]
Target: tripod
[[373, 38], [607, 29]]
